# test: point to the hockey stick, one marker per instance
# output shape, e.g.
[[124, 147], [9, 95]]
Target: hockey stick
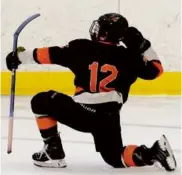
[[13, 81]]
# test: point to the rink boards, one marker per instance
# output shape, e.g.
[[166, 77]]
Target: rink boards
[[29, 83]]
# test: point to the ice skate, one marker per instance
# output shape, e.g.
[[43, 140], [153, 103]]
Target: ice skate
[[164, 154], [52, 155]]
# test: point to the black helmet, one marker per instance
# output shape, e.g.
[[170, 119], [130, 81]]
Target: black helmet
[[109, 27]]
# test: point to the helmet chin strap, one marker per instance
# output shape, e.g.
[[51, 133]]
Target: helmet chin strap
[[103, 39], [108, 42]]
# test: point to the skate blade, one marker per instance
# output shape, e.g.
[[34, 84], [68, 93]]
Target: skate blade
[[51, 163], [165, 146]]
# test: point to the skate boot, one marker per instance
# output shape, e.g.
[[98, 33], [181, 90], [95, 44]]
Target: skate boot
[[52, 155], [163, 154]]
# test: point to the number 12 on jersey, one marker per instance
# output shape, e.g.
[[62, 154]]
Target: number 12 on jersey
[[94, 68]]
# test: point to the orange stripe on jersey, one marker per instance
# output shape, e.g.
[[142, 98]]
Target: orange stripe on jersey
[[159, 66], [78, 90], [43, 55], [128, 155], [46, 122]]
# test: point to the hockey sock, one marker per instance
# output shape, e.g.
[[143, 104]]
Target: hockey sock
[[47, 126], [137, 156]]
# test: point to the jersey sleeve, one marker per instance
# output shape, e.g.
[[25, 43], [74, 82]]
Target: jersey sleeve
[[150, 66], [53, 55]]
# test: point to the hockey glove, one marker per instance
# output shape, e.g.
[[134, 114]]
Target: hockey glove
[[134, 41], [12, 60]]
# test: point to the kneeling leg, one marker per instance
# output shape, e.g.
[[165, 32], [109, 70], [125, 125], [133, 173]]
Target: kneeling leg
[[108, 142]]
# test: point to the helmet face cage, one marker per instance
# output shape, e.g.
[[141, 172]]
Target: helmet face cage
[[94, 30]]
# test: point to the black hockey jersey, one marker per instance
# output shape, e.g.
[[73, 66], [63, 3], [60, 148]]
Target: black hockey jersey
[[100, 67]]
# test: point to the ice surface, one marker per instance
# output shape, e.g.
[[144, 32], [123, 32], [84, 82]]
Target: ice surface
[[143, 120]]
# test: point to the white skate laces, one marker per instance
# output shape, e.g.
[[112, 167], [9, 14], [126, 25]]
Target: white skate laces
[[170, 159], [50, 163]]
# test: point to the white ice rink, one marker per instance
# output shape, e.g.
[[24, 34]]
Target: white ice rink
[[143, 120]]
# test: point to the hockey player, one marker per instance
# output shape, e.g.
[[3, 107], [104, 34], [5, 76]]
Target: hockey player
[[104, 72]]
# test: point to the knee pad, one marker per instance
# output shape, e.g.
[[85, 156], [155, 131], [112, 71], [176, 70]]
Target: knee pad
[[41, 102], [112, 160]]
